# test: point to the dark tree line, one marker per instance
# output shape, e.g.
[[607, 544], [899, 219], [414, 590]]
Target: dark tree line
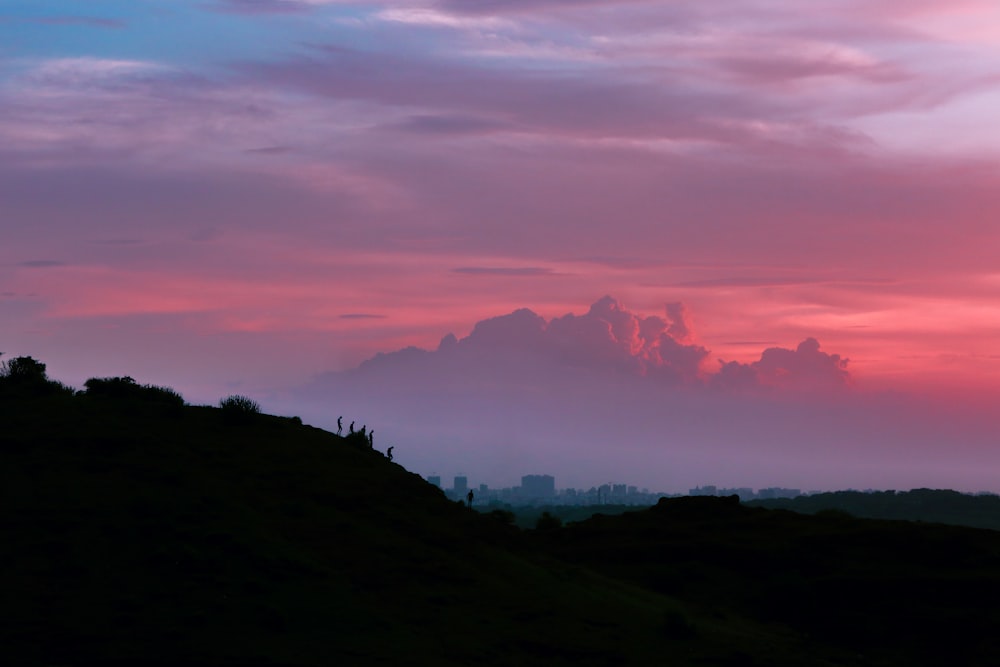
[[26, 376]]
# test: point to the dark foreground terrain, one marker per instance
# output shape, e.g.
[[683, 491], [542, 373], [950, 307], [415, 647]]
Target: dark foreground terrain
[[930, 505], [136, 529]]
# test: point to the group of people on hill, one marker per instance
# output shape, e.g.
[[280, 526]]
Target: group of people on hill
[[369, 436]]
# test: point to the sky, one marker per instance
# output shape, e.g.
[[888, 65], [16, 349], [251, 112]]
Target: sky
[[741, 242]]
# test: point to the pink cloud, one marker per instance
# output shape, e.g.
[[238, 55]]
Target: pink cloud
[[805, 368], [610, 394], [606, 341]]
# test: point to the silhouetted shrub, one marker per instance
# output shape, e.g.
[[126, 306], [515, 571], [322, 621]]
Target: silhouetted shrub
[[239, 405], [128, 388], [25, 375], [163, 394], [23, 369]]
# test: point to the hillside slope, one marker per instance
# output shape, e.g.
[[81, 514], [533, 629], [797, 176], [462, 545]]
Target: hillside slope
[[929, 505], [141, 530], [889, 592], [138, 529]]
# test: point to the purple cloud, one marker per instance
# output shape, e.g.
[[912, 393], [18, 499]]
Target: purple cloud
[[551, 102], [606, 341], [805, 367], [612, 395], [802, 369], [450, 124]]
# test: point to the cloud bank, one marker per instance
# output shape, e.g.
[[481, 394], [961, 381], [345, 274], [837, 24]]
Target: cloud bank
[[607, 340], [610, 394]]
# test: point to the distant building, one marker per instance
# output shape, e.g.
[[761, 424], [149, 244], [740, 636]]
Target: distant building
[[461, 484], [708, 490], [435, 480], [538, 486], [603, 494], [778, 492], [744, 492]]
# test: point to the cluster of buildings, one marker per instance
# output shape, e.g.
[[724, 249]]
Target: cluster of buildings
[[541, 490], [746, 493], [534, 490]]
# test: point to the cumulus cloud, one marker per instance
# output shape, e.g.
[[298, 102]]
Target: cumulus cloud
[[521, 331], [678, 316], [613, 394], [804, 368], [605, 338], [607, 341]]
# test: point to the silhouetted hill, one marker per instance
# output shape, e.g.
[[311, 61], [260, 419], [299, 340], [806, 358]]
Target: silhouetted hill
[[930, 505], [137, 529], [526, 516], [890, 592]]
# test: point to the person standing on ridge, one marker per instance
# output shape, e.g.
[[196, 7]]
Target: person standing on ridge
[[470, 496]]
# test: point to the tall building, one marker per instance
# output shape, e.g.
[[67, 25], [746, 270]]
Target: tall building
[[538, 486], [603, 493], [461, 484], [435, 480]]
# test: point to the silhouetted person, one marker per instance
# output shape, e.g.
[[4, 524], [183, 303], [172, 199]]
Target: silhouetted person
[[371, 438], [352, 427], [388, 453], [340, 425], [470, 496]]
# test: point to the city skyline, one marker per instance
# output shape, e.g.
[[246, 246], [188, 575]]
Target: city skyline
[[609, 492]]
